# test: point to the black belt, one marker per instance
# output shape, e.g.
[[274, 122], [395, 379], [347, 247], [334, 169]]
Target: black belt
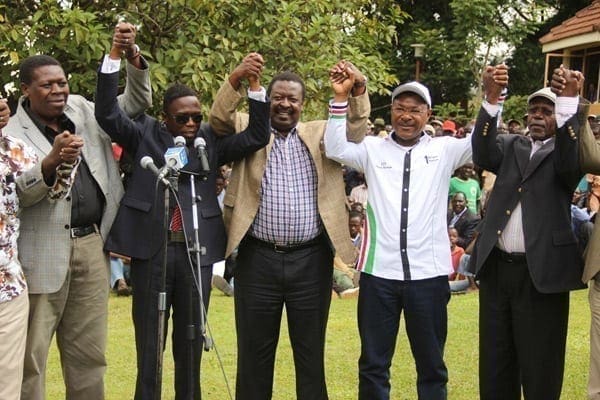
[[282, 248], [511, 257], [82, 231], [177, 237]]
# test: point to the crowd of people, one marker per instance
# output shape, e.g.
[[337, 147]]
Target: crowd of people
[[400, 215]]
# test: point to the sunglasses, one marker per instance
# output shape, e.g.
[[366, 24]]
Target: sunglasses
[[183, 119]]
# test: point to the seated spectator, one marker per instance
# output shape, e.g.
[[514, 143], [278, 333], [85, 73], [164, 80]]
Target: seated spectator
[[359, 193], [458, 282], [582, 222], [119, 274], [345, 276], [463, 219]]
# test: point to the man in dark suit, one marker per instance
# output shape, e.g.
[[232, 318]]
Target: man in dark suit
[[462, 219], [138, 230], [526, 256]]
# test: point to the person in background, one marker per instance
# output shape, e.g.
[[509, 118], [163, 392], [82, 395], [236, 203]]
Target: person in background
[[463, 219], [514, 127], [61, 243], [464, 182], [526, 255], [458, 282], [448, 128], [16, 157], [379, 127]]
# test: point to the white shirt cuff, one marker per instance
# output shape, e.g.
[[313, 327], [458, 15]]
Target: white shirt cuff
[[565, 108], [492, 109], [109, 65], [259, 95]]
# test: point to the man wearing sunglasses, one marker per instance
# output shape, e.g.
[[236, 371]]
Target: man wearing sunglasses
[[138, 229]]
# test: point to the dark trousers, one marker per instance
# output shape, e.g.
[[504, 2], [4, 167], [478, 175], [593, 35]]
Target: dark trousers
[[380, 303], [265, 281], [522, 333], [187, 353]]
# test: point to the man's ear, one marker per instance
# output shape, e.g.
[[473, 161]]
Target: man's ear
[[24, 89]]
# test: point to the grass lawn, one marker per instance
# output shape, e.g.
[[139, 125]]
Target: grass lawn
[[341, 354]]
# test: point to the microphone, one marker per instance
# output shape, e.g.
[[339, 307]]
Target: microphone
[[200, 145], [175, 158], [148, 163]]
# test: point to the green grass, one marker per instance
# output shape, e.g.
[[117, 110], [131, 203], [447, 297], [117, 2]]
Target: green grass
[[341, 354]]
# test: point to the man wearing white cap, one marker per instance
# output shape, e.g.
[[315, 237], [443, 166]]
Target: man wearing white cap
[[405, 257], [526, 257]]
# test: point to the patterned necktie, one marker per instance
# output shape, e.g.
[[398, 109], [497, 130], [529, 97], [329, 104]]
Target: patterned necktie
[[176, 225]]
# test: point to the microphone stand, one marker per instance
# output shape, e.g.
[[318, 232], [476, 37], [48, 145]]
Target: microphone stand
[[197, 251], [171, 184]]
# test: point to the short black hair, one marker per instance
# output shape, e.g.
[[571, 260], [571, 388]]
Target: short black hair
[[459, 192], [287, 76], [176, 91], [354, 214], [30, 64]]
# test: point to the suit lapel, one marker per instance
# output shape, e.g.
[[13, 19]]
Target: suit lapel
[[312, 142], [31, 131], [522, 152], [538, 157]]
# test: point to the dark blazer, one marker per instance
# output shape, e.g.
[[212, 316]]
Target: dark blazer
[[465, 226], [138, 230], [544, 185]]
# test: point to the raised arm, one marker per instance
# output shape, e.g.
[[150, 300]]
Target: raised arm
[[224, 118], [487, 151], [337, 141], [137, 96]]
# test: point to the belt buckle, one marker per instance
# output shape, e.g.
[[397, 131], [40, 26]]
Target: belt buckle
[[278, 248]]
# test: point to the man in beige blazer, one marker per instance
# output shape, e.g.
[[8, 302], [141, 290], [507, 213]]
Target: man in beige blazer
[[285, 210], [61, 241], [589, 153]]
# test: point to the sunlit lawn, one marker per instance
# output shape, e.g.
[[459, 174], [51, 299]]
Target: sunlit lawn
[[342, 354]]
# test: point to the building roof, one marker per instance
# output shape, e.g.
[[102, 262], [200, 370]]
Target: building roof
[[585, 23]]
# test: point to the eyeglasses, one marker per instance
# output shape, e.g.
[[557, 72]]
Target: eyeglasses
[[183, 119], [413, 112]]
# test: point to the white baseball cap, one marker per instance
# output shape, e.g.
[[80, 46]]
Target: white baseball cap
[[545, 93], [413, 87]]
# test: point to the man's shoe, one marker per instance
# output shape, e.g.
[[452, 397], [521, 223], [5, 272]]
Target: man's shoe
[[122, 288], [220, 283]]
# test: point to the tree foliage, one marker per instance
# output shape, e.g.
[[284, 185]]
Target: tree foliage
[[198, 42]]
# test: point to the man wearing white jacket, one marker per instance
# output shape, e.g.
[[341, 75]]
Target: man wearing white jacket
[[405, 257]]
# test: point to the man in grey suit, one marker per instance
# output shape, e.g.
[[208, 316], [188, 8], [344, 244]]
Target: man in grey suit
[[61, 241]]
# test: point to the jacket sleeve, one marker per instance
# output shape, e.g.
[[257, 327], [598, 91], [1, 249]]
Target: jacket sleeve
[[137, 96], [254, 137], [111, 117], [566, 150], [359, 109], [487, 150], [224, 119]]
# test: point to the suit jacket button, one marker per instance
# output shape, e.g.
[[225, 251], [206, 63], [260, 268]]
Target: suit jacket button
[[520, 190], [67, 227], [499, 232], [507, 212]]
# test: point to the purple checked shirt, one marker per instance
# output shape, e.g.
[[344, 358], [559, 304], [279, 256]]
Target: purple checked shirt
[[288, 213]]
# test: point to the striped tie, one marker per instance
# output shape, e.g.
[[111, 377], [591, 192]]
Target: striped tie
[[176, 225]]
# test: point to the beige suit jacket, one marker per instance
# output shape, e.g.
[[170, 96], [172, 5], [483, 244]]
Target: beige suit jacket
[[242, 198], [44, 240], [589, 157]]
